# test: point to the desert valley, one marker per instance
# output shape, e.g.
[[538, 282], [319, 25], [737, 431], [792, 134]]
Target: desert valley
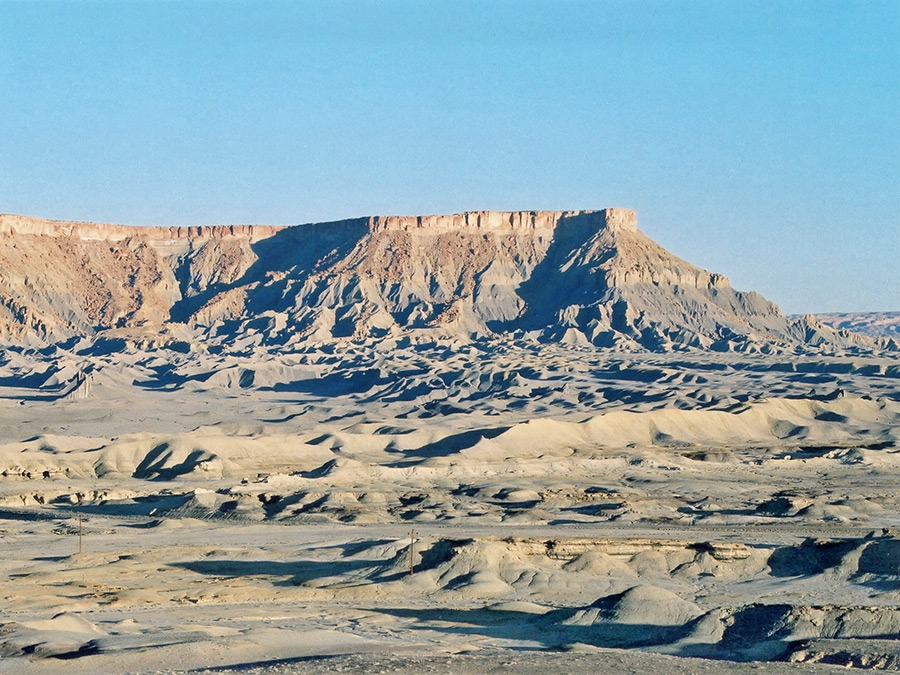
[[482, 442]]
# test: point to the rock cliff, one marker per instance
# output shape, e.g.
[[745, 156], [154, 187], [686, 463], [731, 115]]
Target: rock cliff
[[580, 277]]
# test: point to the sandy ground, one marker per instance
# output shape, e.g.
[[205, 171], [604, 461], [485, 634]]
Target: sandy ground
[[571, 512]]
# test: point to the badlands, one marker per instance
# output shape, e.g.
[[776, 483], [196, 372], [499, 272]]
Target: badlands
[[529, 442]]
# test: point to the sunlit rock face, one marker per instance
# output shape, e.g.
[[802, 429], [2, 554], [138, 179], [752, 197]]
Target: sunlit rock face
[[580, 277]]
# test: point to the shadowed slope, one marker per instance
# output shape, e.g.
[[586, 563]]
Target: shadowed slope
[[579, 277]]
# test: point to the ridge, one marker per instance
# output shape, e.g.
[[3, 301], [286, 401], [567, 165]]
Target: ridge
[[587, 278], [611, 218], [27, 225]]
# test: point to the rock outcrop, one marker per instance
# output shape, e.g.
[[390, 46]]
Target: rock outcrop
[[581, 277]]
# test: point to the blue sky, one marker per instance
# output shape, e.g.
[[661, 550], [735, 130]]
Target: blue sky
[[757, 139]]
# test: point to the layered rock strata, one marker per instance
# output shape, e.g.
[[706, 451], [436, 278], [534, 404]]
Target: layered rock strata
[[583, 277]]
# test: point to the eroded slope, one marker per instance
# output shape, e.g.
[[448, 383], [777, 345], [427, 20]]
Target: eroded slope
[[578, 277]]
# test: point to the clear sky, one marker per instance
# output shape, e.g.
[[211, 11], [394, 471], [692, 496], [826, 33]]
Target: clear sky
[[757, 139]]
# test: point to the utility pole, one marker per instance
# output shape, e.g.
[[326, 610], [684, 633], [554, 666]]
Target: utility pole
[[412, 543]]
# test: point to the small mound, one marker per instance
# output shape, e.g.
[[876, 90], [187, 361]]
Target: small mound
[[65, 621], [649, 605], [519, 606], [639, 605], [600, 564], [881, 557]]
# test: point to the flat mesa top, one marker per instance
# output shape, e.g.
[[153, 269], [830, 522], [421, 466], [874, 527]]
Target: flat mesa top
[[612, 218], [615, 218]]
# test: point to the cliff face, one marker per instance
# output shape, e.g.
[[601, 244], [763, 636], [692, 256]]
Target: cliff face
[[504, 222], [59, 279], [24, 225], [586, 277]]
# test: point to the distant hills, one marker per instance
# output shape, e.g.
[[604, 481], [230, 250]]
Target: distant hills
[[587, 278], [873, 324]]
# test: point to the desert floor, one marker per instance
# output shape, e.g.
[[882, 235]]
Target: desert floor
[[570, 511]]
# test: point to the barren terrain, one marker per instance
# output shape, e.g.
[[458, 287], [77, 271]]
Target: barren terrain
[[387, 456], [873, 324]]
